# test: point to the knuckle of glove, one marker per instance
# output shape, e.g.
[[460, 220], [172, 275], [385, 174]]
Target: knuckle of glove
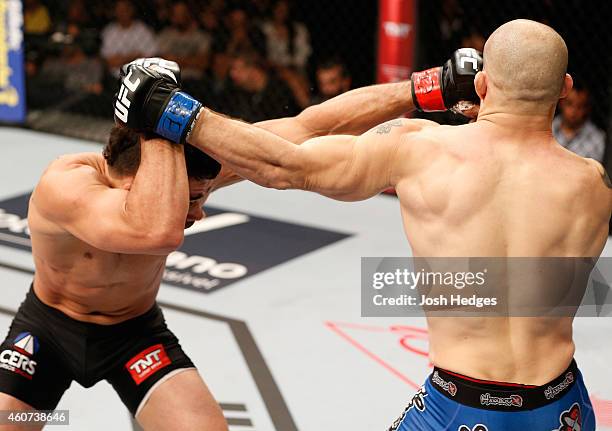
[[458, 76]]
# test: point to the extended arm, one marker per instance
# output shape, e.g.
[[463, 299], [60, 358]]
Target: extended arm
[[342, 167], [146, 219], [351, 113]]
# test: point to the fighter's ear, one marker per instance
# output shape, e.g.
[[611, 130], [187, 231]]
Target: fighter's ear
[[480, 83], [568, 83]]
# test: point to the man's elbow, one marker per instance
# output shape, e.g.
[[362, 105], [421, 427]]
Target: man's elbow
[[283, 179], [165, 241]]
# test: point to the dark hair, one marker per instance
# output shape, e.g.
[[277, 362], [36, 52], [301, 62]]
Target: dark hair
[[200, 166], [332, 62], [122, 153]]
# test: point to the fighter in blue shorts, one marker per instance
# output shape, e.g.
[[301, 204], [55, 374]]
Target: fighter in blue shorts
[[500, 187]]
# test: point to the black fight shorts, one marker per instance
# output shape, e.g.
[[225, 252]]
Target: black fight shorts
[[45, 350]]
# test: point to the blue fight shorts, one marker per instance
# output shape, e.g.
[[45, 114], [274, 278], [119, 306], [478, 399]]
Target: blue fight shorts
[[453, 402]]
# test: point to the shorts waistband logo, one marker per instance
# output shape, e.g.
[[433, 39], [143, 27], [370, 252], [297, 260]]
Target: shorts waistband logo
[[511, 401], [552, 391], [449, 387]]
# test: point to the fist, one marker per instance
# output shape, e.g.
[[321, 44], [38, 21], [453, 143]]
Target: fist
[[448, 87], [458, 78], [133, 101], [150, 100]]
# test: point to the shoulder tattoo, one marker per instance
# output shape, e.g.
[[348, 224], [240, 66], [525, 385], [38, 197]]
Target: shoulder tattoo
[[385, 128]]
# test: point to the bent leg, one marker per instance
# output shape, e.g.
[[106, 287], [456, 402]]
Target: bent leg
[[181, 401]]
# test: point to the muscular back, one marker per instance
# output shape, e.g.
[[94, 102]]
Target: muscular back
[[479, 190], [480, 193]]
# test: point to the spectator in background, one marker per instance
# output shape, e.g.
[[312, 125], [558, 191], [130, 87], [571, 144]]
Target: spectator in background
[[185, 43], [288, 49], [74, 71], [216, 90], [77, 18], [69, 80], [36, 18], [333, 79], [126, 39], [210, 17], [287, 41], [574, 130], [162, 12], [240, 35], [263, 96]]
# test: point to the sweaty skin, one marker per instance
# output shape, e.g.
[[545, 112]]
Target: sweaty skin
[[100, 246], [499, 187]]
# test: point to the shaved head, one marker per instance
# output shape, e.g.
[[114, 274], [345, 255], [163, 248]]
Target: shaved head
[[526, 61]]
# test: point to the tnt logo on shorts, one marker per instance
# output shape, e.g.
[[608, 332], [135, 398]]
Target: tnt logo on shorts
[[148, 362], [19, 358]]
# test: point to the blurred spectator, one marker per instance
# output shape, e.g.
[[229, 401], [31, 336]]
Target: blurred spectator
[[263, 96], [36, 18], [77, 19], [210, 17], [333, 78], [240, 35], [574, 130], [473, 39], [162, 12], [287, 41], [184, 43], [126, 38], [69, 80], [74, 71], [216, 90]]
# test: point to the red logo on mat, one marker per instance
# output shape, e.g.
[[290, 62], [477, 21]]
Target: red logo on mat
[[147, 362]]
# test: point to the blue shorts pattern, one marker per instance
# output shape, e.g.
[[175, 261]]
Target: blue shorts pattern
[[451, 402]]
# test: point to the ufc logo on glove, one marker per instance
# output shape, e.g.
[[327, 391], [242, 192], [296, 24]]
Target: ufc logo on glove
[[123, 103]]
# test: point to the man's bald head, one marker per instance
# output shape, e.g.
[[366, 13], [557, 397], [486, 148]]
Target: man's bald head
[[526, 61]]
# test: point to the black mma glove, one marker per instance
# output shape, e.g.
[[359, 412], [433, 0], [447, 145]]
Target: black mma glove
[[448, 87], [150, 100]]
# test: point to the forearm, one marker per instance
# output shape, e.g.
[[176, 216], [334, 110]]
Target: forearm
[[158, 198], [357, 111], [247, 150]]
